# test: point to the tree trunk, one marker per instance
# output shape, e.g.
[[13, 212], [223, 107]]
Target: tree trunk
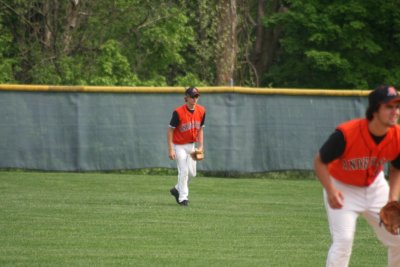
[[227, 42], [267, 40], [72, 18], [48, 33]]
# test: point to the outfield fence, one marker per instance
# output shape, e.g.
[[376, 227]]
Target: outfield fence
[[94, 128]]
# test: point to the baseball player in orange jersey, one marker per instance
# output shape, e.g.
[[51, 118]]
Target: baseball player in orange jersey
[[185, 130], [350, 167]]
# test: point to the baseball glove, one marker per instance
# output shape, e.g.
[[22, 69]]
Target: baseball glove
[[197, 154], [390, 217]]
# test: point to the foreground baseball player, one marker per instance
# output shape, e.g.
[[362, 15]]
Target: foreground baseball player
[[185, 130], [350, 167]]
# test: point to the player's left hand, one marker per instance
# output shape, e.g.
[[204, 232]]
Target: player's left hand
[[197, 154]]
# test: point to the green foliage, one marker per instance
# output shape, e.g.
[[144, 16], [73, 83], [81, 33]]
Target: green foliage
[[72, 69], [156, 80], [326, 61], [6, 70], [112, 67], [323, 44], [152, 37], [156, 47], [189, 79], [200, 53], [45, 74], [7, 63], [166, 40], [348, 44]]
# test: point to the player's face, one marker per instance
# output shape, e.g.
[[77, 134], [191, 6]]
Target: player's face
[[388, 114], [191, 101]]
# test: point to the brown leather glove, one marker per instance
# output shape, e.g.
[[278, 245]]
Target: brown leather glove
[[390, 217], [197, 154]]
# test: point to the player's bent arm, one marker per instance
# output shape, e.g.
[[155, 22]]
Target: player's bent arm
[[200, 141], [335, 197], [322, 173], [171, 150], [170, 134], [394, 183]]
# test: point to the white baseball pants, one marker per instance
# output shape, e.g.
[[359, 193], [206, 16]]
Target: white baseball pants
[[186, 169], [365, 201]]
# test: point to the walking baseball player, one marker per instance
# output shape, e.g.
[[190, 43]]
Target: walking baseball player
[[350, 168], [185, 130]]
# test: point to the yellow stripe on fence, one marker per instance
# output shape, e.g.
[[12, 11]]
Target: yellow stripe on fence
[[167, 90]]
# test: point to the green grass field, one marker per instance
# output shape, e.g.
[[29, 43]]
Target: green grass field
[[93, 219]]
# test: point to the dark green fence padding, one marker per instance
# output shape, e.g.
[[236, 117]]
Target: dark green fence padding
[[81, 128]]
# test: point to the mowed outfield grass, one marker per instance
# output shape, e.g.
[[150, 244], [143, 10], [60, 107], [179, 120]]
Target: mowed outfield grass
[[97, 219]]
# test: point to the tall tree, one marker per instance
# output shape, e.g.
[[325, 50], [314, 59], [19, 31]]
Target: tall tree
[[266, 39], [258, 44], [227, 42]]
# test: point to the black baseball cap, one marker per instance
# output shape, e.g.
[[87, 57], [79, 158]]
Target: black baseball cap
[[192, 92], [383, 94]]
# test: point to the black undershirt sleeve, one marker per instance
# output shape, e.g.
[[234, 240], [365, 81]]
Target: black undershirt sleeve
[[333, 148], [174, 120], [396, 163], [203, 120]]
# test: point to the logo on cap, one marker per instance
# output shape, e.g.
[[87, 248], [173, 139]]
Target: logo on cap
[[391, 91]]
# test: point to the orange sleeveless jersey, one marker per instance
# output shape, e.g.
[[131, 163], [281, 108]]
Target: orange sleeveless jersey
[[189, 125], [363, 159]]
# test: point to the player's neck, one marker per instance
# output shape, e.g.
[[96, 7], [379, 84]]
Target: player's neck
[[190, 106], [376, 128]]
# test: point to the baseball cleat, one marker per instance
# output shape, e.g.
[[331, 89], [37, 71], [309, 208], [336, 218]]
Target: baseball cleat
[[175, 193], [184, 203]]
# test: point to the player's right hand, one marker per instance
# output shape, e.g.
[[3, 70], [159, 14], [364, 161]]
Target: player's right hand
[[335, 199], [172, 154]]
